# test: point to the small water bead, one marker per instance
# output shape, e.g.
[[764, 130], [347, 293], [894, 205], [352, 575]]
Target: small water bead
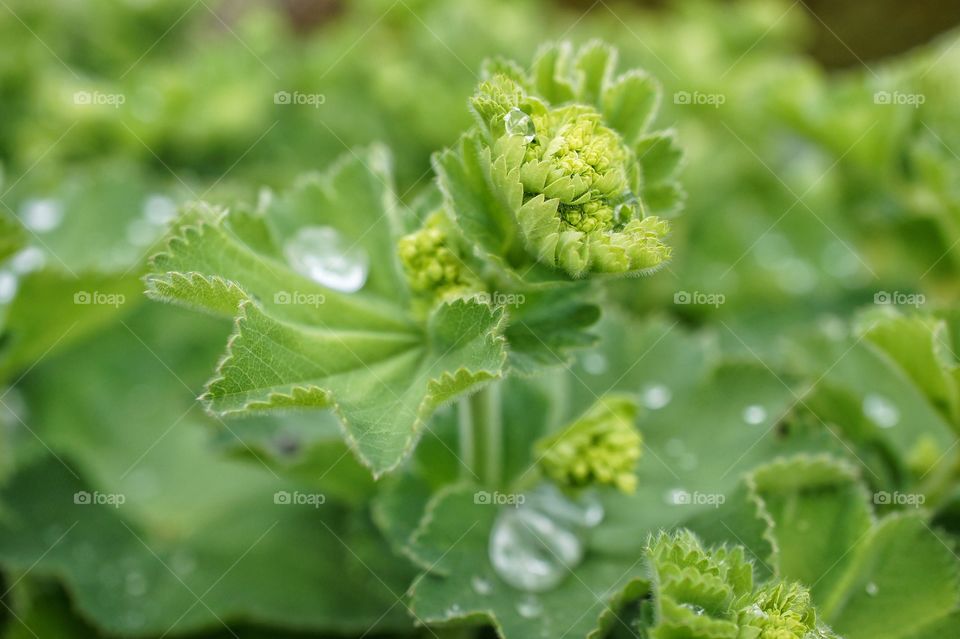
[[529, 607], [135, 584], [516, 122], [28, 260], [595, 363], [694, 608], [754, 414], [159, 209], [656, 396], [534, 546], [881, 411], [480, 585], [182, 563], [677, 496], [584, 512], [530, 552], [8, 287], [796, 276], [321, 254], [41, 215], [872, 589], [141, 232]]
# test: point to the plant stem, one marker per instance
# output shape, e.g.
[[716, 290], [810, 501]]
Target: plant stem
[[480, 422]]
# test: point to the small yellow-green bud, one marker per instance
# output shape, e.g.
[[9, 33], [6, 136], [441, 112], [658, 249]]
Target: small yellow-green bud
[[432, 265], [602, 447]]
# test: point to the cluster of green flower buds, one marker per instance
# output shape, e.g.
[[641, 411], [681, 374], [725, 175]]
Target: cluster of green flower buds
[[561, 161], [431, 261], [602, 447]]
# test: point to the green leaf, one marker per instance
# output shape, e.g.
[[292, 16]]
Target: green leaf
[[217, 524], [921, 346], [886, 579], [298, 344], [630, 103], [452, 542], [54, 310], [819, 511], [899, 579], [547, 328], [382, 386], [356, 197]]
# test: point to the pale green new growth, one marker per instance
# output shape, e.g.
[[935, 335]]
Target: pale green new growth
[[602, 447], [560, 172]]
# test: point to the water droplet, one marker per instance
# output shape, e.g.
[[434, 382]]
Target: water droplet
[[530, 552], [595, 363], [675, 447], [656, 396], [517, 122], [8, 287], [141, 232], [534, 546], [264, 199], [694, 608], [134, 620], [159, 209], [28, 260], [689, 462], [183, 563], [320, 253], [771, 248], [529, 607], [677, 496], [754, 414], [840, 260], [881, 411], [135, 584], [480, 585], [872, 589], [41, 215]]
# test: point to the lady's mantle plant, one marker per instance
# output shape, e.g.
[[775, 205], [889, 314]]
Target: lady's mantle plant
[[559, 182]]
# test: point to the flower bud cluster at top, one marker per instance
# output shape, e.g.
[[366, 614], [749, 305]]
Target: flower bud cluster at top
[[589, 158]]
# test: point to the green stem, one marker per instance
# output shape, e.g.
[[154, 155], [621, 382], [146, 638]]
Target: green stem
[[480, 420]]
